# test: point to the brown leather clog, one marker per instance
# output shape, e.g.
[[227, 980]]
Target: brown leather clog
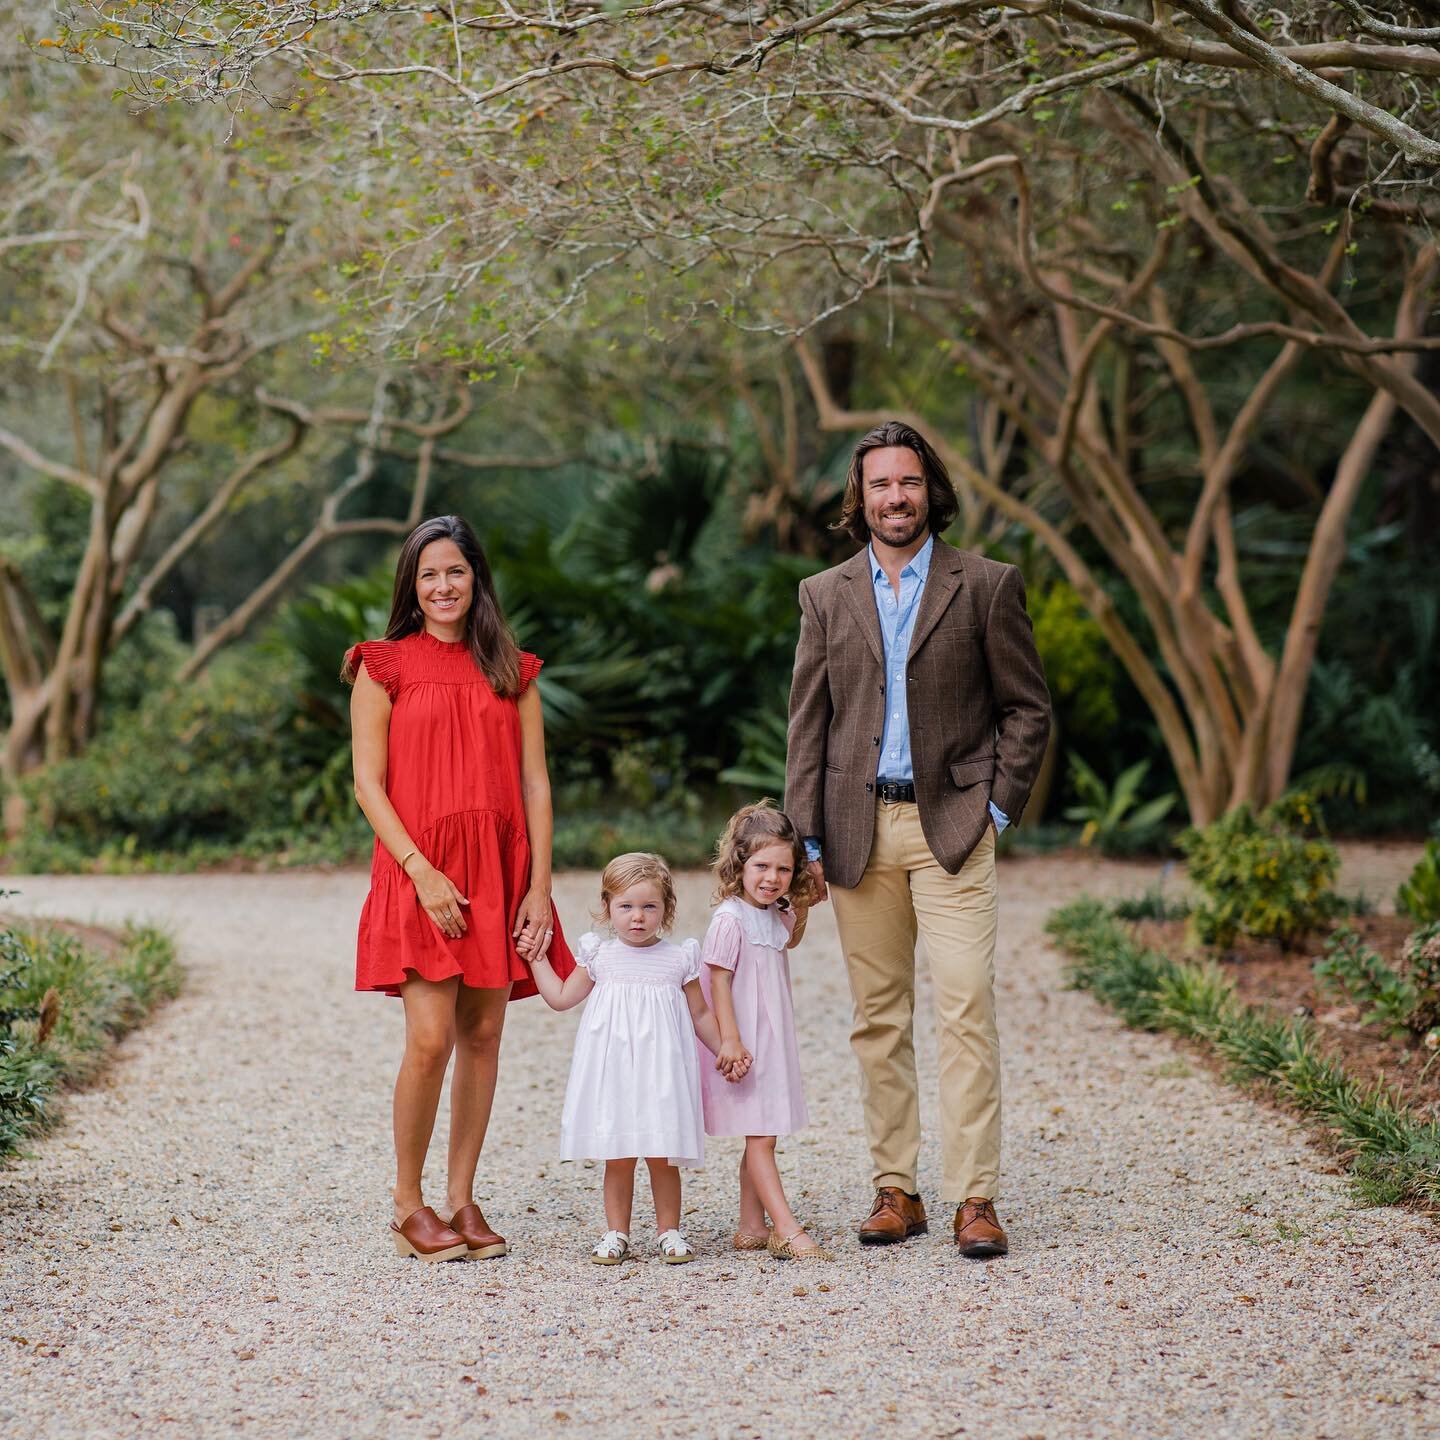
[[426, 1236], [481, 1241]]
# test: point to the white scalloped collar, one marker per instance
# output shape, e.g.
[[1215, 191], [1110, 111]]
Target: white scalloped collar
[[761, 927]]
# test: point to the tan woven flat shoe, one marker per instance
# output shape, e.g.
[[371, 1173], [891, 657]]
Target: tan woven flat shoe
[[785, 1250], [744, 1240]]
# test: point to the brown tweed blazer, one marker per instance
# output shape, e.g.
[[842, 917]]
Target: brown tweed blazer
[[978, 708]]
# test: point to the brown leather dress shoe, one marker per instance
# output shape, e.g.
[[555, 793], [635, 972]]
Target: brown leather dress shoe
[[894, 1217], [978, 1232], [481, 1241], [426, 1236]]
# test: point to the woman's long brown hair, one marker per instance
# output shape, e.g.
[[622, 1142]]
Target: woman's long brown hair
[[486, 633]]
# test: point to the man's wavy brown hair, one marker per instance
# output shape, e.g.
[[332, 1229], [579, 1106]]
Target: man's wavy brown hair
[[630, 869], [939, 488], [755, 827]]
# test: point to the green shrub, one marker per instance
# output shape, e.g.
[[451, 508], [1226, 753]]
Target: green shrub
[[1260, 876], [1114, 818], [193, 763], [1152, 904], [1422, 968], [1419, 896], [1080, 667], [62, 1003], [1355, 970], [589, 840]]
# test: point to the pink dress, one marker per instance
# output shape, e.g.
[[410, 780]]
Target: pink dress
[[770, 1100]]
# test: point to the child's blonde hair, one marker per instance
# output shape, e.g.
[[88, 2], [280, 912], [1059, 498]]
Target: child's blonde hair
[[632, 869], [755, 827]]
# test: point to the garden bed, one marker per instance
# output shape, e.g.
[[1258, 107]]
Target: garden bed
[[1262, 1034], [67, 994], [1283, 983]]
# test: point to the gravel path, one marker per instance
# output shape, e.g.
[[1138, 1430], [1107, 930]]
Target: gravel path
[[200, 1250]]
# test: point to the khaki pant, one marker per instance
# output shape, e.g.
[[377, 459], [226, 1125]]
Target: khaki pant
[[905, 890]]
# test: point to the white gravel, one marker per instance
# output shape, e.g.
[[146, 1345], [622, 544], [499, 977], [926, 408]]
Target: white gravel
[[201, 1249]]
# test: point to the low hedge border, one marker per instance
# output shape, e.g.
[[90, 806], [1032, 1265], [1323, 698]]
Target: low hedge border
[[64, 1002], [1393, 1155]]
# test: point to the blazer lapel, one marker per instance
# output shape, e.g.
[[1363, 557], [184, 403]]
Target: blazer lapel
[[945, 578], [859, 591]]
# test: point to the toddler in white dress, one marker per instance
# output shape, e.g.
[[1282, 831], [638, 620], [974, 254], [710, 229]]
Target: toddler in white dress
[[635, 1078]]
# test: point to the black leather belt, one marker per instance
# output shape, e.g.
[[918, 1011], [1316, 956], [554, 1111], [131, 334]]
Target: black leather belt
[[894, 790]]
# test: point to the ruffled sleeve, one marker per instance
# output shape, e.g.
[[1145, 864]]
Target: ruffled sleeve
[[692, 961], [381, 659], [722, 941], [590, 944], [529, 669]]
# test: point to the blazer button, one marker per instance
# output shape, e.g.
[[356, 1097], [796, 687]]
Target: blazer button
[[868, 787], [877, 740]]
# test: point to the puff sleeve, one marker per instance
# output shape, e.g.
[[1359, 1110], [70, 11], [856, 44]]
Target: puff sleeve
[[692, 961], [381, 659], [589, 947], [529, 669], [722, 941]]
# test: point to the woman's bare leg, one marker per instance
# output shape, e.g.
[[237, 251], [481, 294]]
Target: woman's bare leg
[[665, 1189], [752, 1209], [619, 1194], [479, 1019], [429, 1039]]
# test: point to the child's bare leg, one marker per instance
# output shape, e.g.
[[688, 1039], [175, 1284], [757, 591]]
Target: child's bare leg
[[665, 1187], [752, 1210], [765, 1177], [619, 1194]]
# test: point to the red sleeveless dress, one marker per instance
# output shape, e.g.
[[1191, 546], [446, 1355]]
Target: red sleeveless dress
[[453, 775]]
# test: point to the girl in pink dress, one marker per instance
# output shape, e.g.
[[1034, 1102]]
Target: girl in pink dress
[[764, 893]]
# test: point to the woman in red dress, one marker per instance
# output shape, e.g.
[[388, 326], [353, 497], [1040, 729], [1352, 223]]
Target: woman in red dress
[[450, 772]]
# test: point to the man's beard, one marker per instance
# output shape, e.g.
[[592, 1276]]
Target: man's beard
[[898, 540]]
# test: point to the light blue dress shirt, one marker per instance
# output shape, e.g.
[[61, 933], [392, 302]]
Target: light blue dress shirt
[[897, 626]]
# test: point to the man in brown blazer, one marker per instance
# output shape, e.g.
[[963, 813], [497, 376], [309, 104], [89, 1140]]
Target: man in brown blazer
[[918, 720]]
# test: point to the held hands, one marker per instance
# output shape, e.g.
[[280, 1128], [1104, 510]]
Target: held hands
[[533, 930], [817, 872], [440, 900], [733, 1060]]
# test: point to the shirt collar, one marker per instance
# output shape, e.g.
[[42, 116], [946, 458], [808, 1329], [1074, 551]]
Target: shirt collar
[[919, 563]]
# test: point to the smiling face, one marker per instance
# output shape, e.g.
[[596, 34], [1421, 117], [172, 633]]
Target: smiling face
[[637, 913], [445, 587], [895, 496], [768, 873]]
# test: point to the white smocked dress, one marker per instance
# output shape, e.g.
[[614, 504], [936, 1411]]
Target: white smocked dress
[[752, 942], [635, 1077]]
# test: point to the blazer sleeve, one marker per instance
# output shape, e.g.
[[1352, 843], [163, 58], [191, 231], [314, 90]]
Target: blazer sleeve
[[810, 713], [1022, 701]]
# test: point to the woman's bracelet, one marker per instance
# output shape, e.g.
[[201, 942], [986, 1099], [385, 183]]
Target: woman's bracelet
[[413, 850]]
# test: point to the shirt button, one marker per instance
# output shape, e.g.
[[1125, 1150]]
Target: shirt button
[[895, 715]]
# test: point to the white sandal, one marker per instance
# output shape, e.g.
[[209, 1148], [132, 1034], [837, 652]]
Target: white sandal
[[675, 1248], [614, 1247]]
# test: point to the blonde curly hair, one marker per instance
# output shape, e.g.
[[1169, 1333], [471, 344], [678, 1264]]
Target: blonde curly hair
[[633, 868], [753, 828]]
